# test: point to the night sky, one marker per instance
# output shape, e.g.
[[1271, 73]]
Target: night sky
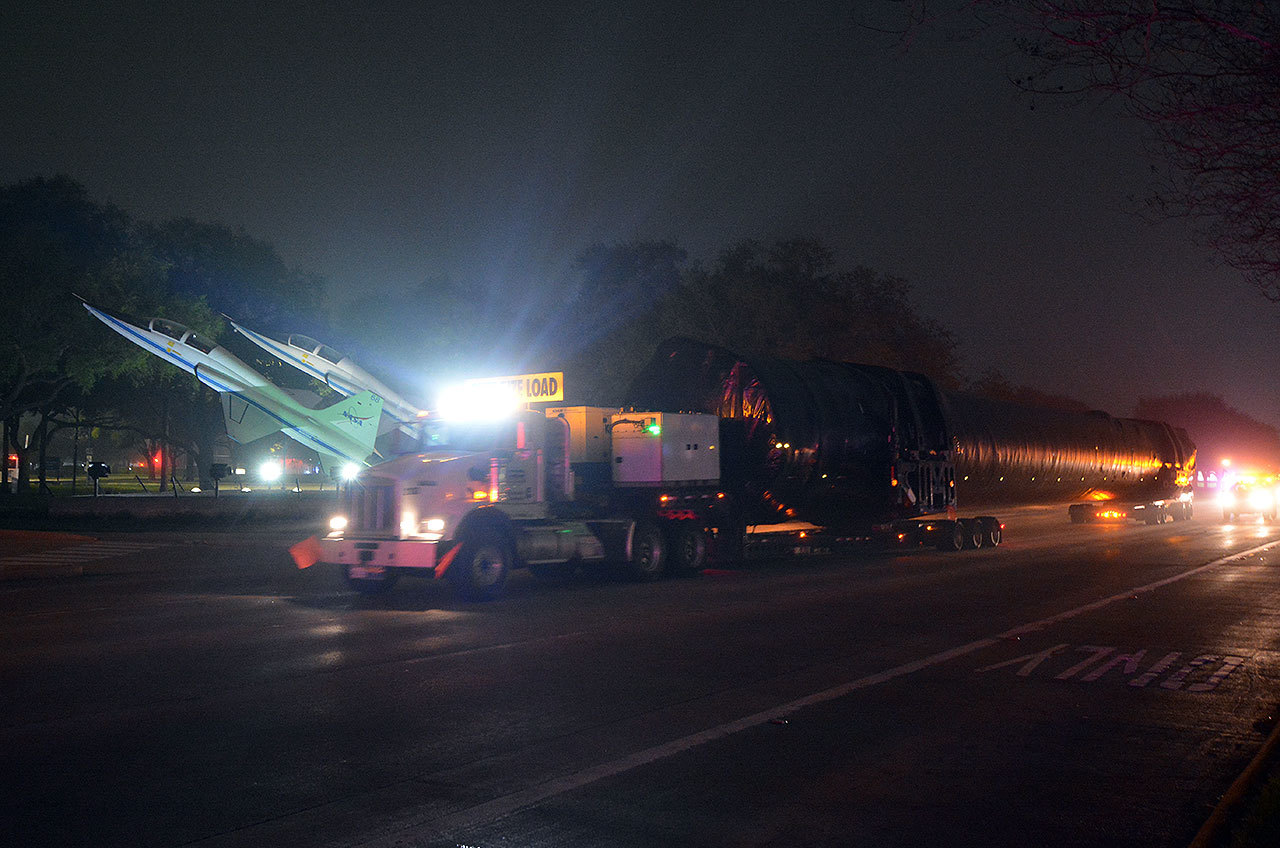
[[383, 144]]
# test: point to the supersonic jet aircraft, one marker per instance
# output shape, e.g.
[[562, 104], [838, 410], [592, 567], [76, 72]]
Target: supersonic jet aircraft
[[331, 367], [253, 406]]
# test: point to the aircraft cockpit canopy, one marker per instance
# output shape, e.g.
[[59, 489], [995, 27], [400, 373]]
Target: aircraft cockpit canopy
[[174, 330], [312, 346], [304, 342], [200, 343]]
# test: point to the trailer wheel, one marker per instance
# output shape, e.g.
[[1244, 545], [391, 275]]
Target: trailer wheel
[[372, 580], [952, 540], [973, 533], [688, 547], [648, 552], [992, 534], [480, 572]]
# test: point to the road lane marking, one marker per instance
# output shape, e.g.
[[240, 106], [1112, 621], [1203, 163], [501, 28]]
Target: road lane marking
[[513, 802], [1222, 665], [74, 555]]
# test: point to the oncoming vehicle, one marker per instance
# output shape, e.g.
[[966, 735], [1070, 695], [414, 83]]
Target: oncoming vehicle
[[1250, 497]]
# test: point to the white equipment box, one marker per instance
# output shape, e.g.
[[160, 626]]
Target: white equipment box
[[588, 430], [657, 448]]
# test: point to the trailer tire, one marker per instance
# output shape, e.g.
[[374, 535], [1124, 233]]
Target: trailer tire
[[952, 540], [688, 547], [485, 561], [973, 533], [374, 584], [648, 552], [992, 534]]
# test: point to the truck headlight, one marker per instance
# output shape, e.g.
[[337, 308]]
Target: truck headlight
[[338, 523], [432, 529], [1227, 498], [1260, 499]]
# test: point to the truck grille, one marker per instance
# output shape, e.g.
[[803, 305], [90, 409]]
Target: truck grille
[[371, 506]]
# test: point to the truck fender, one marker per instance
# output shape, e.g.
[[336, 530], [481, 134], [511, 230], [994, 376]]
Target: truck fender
[[442, 567]]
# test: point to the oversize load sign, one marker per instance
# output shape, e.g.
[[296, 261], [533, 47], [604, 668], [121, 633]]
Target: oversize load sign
[[529, 388]]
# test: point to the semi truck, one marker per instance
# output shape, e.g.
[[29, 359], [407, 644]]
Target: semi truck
[[712, 453]]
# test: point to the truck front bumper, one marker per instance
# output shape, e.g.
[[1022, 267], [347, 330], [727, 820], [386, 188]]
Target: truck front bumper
[[379, 553]]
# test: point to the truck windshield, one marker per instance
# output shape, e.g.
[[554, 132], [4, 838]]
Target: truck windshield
[[472, 436]]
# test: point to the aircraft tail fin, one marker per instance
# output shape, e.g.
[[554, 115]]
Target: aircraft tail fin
[[358, 416], [246, 422]]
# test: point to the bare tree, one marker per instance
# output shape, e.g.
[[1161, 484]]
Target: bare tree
[[1205, 77]]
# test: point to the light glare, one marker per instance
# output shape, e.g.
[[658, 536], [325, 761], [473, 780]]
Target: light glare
[[478, 402]]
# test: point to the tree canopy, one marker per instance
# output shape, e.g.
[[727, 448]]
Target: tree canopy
[[782, 299], [1201, 74], [55, 243]]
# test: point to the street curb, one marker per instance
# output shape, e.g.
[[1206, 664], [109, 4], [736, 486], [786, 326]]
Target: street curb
[[1211, 832]]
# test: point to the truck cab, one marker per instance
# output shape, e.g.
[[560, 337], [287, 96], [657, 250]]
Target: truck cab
[[478, 497]]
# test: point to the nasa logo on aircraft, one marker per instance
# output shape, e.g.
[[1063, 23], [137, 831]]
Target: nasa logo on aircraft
[[355, 419]]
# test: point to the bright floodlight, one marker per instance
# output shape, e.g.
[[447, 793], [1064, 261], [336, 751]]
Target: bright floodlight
[[349, 471], [270, 471], [478, 402]]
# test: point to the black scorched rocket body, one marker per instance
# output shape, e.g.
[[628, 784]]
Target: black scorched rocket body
[[859, 447]]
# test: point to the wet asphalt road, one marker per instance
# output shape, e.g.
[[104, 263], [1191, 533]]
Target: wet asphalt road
[[1081, 686]]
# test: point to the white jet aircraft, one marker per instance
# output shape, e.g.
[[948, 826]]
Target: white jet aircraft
[[253, 406], [335, 370]]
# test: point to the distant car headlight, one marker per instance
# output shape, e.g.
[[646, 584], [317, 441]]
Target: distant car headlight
[[435, 525], [338, 523], [1260, 499]]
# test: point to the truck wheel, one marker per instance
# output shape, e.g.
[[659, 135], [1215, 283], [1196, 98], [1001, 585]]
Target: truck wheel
[[370, 579], [953, 539], [480, 572], [688, 547], [992, 535], [648, 552]]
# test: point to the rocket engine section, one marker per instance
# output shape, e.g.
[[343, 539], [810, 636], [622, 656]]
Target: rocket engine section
[[1008, 453], [829, 442], [840, 444]]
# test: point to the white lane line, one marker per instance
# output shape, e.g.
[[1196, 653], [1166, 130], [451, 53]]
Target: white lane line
[[508, 804], [78, 553]]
